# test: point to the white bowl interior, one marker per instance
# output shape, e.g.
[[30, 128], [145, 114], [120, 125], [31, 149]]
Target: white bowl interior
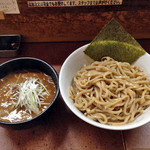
[[72, 64]]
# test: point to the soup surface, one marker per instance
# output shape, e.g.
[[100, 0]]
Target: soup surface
[[25, 94]]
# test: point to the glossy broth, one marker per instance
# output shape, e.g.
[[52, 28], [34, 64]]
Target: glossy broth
[[8, 113]]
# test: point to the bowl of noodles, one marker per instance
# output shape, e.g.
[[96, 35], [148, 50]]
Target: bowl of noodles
[[28, 89], [107, 94]]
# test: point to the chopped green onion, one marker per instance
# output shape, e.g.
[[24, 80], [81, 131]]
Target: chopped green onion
[[30, 93]]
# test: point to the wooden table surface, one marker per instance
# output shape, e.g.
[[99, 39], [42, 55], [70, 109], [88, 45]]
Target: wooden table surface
[[61, 129]]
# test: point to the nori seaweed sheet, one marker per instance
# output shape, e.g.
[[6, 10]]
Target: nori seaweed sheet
[[114, 41]]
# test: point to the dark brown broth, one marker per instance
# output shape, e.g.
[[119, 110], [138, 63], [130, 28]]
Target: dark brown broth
[[8, 112]]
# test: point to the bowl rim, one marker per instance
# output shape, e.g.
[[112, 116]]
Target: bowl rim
[[84, 118], [54, 99]]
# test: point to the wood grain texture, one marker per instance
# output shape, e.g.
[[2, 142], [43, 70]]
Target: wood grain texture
[[138, 139], [60, 129], [2, 17], [76, 23]]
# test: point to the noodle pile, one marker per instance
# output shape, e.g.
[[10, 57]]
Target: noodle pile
[[111, 92]]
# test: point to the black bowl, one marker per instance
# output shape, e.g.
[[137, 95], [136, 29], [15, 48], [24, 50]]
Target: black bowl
[[29, 63]]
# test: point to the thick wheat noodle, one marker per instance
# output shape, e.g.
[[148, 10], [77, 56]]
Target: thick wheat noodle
[[111, 92]]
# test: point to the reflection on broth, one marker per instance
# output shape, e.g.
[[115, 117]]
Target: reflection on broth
[[25, 94]]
